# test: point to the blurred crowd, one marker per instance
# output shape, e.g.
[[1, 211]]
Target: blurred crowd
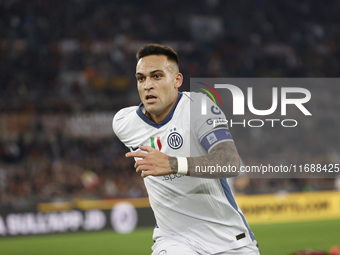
[[62, 59]]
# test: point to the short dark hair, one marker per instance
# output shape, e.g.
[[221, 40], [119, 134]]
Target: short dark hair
[[157, 49]]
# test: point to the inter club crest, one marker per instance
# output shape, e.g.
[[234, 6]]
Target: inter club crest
[[175, 140]]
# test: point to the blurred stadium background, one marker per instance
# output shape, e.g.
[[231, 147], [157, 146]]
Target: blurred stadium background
[[66, 67]]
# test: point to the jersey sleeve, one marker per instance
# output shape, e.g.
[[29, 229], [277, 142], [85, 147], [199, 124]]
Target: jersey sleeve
[[209, 123], [115, 125], [120, 123]]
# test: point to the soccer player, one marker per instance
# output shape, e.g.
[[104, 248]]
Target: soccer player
[[195, 210]]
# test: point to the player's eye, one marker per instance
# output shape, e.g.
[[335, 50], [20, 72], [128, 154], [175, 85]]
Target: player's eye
[[157, 76], [140, 78]]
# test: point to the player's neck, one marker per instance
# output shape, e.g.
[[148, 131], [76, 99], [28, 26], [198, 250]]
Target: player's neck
[[158, 118]]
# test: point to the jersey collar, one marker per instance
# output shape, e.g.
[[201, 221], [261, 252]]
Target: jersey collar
[[163, 122]]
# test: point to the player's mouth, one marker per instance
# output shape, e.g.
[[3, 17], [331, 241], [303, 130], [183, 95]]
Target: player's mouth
[[150, 99]]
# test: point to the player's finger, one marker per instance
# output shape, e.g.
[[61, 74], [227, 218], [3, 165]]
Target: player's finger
[[146, 148], [146, 173], [141, 168], [140, 162], [137, 154]]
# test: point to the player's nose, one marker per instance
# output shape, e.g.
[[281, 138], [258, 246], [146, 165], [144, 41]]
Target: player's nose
[[148, 84]]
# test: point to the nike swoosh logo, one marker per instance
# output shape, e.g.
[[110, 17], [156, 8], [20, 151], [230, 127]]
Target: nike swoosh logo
[[134, 148]]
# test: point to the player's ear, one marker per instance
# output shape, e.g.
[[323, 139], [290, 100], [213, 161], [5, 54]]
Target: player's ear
[[178, 80]]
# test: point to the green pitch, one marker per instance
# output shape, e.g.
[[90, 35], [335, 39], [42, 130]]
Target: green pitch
[[274, 239]]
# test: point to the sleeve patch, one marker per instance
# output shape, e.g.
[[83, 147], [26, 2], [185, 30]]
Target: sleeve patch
[[215, 136]]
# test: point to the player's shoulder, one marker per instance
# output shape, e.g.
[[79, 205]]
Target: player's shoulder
[[123, 117], [196, 99], [124, 113], [193, 96]]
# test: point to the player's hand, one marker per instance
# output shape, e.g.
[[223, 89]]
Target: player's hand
[[152, 162]]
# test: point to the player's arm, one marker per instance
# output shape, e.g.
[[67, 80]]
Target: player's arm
[[155, 163], [221, 162]]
